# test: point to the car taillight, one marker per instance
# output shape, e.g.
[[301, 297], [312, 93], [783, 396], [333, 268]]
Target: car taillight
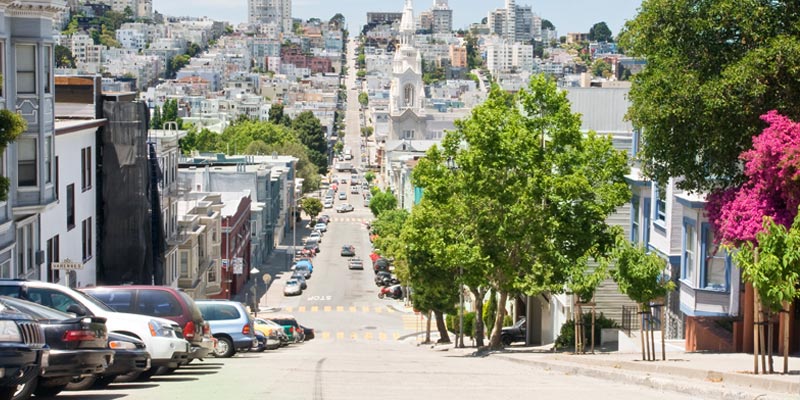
[[188, 330], [291, 330], [78, 336], [246, 330]]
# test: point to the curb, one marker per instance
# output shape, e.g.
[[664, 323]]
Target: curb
[[712, 390], [401, 309]]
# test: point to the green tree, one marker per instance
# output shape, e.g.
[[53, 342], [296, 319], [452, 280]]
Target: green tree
[[337, 22], [382, 201], [156, 122], [601, 68], [63, 57], [11, 126], [312, 206], [257, 147], [369, 176], [367, 131], [600, 32], [176, 63], [388, 226], [193, 49], [546, 24], [711, 72], [276, 115], [363, 99], [311, 133], [338, 147], [169, 112], [558, 184]]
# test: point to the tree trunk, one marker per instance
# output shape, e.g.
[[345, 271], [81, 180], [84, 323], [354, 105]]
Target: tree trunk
[[494, 342], [443, 336], [428, 329], [478, 294], [756, 322]]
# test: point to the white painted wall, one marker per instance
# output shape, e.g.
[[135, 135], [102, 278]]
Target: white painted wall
[[54, 220]]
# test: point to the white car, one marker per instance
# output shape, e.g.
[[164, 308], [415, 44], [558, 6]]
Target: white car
[[292, 288], [159, 335], [320, 226], [315, 235], [327, 204]]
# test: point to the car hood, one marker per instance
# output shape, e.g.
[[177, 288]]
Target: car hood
[[118, 321]]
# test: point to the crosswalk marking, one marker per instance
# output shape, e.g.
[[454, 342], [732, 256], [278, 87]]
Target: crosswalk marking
[[365, 309], [395, 336], [352, 308], [353, 335], [379, 310], [368, 335], [339, 308], [326, 335], [381, 336], [301, 309], [288, 309], [326, 308], [314, 308], [339, 335]]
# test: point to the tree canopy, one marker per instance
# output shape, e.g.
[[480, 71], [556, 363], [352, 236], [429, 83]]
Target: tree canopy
[[713, 68], [11, 126], [600, 32], [311, 133]]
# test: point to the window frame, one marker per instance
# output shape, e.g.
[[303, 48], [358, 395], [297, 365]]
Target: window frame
[[183, 266], [689, 267], [707, 244], [17, 47], [48, 68], [47, 159], [86, 238], [53, 255], [635, 219], [86, 168], [34, 162], [70, 207]]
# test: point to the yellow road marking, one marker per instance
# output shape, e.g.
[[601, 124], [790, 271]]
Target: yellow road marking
[[301, 309], [288, 309], [365, 309], [352, 309], [339, 335], [395, 336], [339, 308], [314, 308], [390, 310], [326, 308], [382, 336], [353, 335], [368, 335], [378, 310], [326, 335]]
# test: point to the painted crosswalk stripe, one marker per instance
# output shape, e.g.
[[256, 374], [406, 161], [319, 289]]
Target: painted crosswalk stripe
[[326, 308], [314, 308], [288, 309], [365, 309], [353, 335], [301, 309], [379, 310], [390, 310], [382, 336], [352, 308], [339, 308], [339, 335], [368, 335], [395, 336], [326, 335]]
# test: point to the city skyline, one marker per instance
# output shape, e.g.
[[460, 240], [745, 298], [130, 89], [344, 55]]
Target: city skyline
[[566, 15]]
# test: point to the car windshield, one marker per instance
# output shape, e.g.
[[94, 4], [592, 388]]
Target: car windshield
[[95, 302], [291, 282], [36, 311]]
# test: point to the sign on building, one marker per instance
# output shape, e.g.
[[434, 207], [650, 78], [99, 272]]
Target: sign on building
[[67, 265]]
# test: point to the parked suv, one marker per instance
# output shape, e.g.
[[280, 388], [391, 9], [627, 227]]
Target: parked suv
[[513, 333], [230, 324], [159, 301], [22, 350], [163, 338]]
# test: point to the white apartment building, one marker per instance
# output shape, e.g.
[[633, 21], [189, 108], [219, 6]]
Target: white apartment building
[[271, 11], [505, 57]]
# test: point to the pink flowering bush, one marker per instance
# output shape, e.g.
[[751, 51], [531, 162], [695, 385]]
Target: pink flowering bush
[[772, 188]]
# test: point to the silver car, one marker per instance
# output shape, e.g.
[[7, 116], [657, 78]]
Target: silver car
[[292, 288], [230, 324]]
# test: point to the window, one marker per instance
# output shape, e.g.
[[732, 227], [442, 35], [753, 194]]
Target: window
[[26, 68], [689, 251], [407, 135], [2, 68], [184, 264], [25, 247], [70, 206], [158, 303], [661, 204], [48, 68], [5, 269], [635, 219], [53, 256], [50, 298], [212, 274], [26, 174], [86, 168], [87, 238], [58, 197], [48, 158], [715, 265], [119, 300], [408, 96]]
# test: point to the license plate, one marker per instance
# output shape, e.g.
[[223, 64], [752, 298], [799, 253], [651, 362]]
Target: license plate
[[45, 359]]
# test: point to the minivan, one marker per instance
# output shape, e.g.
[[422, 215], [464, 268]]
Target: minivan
[[231, 325]]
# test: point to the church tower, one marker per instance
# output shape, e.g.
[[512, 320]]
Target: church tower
[[406, 108]]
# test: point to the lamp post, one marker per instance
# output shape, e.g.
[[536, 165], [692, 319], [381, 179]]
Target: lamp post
[[255, 271], [451, 165]]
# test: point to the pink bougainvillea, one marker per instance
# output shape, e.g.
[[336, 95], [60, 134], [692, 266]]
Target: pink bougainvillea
[[772, 187]]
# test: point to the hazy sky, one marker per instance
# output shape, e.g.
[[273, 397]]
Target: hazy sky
[[566, 15]]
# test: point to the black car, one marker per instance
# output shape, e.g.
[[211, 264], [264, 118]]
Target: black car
[[513, 333], [130, 358], [381, 265], [308, 333], [22, 350], [78, 347], [385, 278], [300, 276], [348, 251]]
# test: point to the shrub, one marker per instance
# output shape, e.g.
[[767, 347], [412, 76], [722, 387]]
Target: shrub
[[469, 323], [566, 337]]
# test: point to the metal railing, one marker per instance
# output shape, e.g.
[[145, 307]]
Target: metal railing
[[630, 319]]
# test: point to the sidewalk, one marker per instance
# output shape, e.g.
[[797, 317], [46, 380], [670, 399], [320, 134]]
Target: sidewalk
[[700, 375]]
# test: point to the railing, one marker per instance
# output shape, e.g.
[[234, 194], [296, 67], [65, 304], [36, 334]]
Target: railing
[[630, 319]]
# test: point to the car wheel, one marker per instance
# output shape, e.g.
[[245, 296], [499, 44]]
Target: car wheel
[[166, 371], [224, 348], [48, 391], [25, 390], [82, 383], [506, 340], [146, 375]]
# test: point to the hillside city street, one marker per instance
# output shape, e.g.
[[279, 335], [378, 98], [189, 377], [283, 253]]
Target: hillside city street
[[366, 347]]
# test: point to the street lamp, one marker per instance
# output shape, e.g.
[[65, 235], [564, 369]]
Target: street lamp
[[451, 165], [255, 271]]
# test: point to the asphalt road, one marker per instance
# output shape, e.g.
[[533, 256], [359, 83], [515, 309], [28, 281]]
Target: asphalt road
[[365, 348]]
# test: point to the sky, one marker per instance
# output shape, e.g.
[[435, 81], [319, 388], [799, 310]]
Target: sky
[[566, 15]]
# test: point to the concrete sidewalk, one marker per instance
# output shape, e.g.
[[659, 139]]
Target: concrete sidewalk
[[701, 375]]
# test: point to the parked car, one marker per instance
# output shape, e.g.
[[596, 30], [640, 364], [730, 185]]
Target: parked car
[[300, 277], [513, 333], [22, 349], [230, 324], [290, 326], [354, 190], [381, 264], [348, 251], [159, 301], [78, 346], [384, 278], [308, 333], [292, 288], [314, 237], [270, 327], [321, 226], [324, 218], [301, 269], [342, 195], [130, 358], [344, 208], [328, 203], [163, 337], [312, 246], [355, 263]]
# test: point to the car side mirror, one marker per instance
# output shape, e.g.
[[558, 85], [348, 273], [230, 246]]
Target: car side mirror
[[77, 309]]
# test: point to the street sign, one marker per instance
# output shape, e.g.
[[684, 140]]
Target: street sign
[[67, 265]]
